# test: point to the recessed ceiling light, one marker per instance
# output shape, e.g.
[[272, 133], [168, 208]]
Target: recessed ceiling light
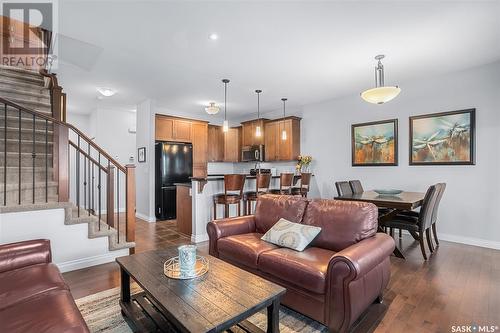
[[106, 92], [213, 36]]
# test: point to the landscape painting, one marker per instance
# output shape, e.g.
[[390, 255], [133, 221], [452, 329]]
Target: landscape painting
[[443, 138], [375, 143]]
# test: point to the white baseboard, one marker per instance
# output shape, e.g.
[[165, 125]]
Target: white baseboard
[[466, 240], [91, 261], [199, 238], [145, 217]]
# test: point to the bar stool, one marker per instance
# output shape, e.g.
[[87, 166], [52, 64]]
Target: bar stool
[[305, 180], [262, 181], [286, 182], [232, 183]]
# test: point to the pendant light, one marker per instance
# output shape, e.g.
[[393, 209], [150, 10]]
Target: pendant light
[[212, 108], [283, 133], [258, 130], [225, 126], [380, 94]]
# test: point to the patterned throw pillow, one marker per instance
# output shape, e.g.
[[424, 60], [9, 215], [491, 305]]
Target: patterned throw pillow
[[295, 236]]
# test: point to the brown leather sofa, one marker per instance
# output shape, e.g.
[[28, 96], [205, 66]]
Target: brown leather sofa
[[344, 270], [33, 295]]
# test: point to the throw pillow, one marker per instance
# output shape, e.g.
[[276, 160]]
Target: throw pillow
[[294, 236]]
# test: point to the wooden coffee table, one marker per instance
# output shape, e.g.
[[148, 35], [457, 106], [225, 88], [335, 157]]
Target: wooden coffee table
[[219, 301]]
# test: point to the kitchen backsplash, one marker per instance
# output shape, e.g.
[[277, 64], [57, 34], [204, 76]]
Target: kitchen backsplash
[[244, 167]]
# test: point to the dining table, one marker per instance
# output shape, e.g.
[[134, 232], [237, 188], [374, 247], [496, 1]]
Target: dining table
[[394, 202]]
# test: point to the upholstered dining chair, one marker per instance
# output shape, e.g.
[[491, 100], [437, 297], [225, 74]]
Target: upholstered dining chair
[[286, 182], [356, 186], [305, 182], [262, 181], [420, 225], [343, 188], [233, 194]]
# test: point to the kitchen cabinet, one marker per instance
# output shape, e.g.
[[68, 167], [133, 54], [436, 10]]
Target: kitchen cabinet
[[215, 144], [278, 149], [248, 136], [184, 214], [172, 129], [199, 136], [232, 145]]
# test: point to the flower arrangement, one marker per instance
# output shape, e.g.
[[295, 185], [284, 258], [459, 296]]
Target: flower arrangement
[[303, 163]]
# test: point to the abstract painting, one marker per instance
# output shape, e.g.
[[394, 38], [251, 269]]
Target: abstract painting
[[375, 143], [445, 138]]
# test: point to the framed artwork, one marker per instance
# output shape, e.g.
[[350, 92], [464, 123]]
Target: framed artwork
[[446, 138], [141, 154], [375, 143]]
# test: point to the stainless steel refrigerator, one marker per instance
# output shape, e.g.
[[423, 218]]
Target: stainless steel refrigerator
[[174, 164]]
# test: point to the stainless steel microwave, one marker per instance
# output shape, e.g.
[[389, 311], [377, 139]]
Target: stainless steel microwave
[[252, 153]]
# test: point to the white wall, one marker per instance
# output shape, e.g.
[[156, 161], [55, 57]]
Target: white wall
[[469, 209]]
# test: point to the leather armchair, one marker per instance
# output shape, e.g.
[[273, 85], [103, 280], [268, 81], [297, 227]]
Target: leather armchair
[[344, 270], [33, 295]]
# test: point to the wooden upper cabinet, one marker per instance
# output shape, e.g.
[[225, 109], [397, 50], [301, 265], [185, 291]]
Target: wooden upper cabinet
[[270, 140], [164, 128], [199, 135], [232, 145], [278, 149], [248, 131], [172, 129], [215, 144]]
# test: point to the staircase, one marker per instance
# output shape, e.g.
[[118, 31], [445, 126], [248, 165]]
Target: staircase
[[41, 155]]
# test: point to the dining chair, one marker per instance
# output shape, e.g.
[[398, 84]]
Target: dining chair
[[356, 186], [305, 181], [420, 225], [286, 182], [343, 188], [262, 181], [233, 194]]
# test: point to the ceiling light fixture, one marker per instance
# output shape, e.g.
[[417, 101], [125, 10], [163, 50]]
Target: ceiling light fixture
[[283, 133], [258, 131], [213, 36], [225, 126], [212, 108], [106, 92], [380, 94]]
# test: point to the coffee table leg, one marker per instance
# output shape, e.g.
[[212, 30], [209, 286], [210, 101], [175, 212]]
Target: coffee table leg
[[273, 317], [125, 286]]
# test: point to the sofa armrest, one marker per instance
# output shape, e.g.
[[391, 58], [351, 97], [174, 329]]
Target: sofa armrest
[[357, 275], [26, 253], [227, 227]]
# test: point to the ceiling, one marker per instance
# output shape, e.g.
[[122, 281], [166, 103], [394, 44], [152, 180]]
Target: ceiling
[[306, 51]]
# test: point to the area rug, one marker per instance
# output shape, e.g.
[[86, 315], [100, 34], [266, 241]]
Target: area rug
[[102, 313]]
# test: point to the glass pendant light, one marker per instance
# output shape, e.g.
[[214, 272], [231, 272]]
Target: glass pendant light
[[380, 94], [258, 131], [212, 108], [225, 125], [283, 133]]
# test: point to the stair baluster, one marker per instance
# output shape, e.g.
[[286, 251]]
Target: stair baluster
[[33, 156], [5, 158]]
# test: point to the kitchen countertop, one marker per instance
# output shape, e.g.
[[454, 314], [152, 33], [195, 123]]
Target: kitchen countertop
[[183, 184], [221, 177]]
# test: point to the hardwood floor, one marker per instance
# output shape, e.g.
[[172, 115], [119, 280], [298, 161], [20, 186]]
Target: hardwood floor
[[458, 285]]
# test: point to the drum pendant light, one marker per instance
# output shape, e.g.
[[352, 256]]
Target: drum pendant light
[[380, 94], [225, 126], [258, 130], [283, 133]]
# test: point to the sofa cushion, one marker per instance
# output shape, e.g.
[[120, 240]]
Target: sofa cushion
[[23, 283], [270, 208], [243, 249], [343, 223], [55, 311], [294, 236], [306, 269]]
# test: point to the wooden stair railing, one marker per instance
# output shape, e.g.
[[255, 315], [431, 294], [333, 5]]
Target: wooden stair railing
[[91, 163]]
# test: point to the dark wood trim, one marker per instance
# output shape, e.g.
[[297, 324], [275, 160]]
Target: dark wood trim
[[110, 196], [62, 162], [396, 143], [440, 114], [130, 204]]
